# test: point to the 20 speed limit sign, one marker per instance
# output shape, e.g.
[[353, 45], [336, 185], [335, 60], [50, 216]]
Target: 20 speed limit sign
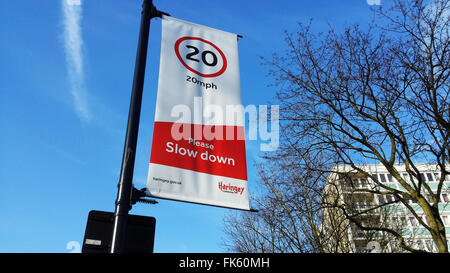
[[200, 56]]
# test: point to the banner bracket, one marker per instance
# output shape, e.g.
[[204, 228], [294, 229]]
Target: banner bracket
[[157, 13], [153, 12], [138, 196]]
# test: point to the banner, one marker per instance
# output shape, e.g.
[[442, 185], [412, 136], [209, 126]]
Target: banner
[[198, 148]]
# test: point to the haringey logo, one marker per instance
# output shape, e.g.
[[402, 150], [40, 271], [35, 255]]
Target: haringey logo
[[231, 189]]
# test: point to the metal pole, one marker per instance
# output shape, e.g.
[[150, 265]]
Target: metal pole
[[123, 204]]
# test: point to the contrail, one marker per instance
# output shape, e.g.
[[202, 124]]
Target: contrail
[[74, 56]]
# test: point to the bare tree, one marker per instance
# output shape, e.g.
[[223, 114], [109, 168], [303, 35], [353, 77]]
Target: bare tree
[[375, 95], [295, 214], [289, 217]]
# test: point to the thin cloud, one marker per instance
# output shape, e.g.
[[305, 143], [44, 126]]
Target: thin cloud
[[73, 43], [374, 2]]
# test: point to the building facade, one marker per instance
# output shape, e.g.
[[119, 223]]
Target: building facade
[[371, 196]]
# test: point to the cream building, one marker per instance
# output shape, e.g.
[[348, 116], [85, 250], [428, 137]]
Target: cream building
[[357, 192]]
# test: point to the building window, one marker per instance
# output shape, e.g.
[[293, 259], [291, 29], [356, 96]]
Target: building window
[[445, 220], [364, 183], [413, 221], [420, 245], [437, 176], [381, 199], [347, 185], [374, 177], [382, 178], [405, 176], [430, 177], [389, 177], [395, 220], [404, 222], [429, 245], [422, 176], [389, 198], [362, 206], [445, 197]]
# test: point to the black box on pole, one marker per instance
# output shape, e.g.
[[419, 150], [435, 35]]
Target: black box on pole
[[140, 233]]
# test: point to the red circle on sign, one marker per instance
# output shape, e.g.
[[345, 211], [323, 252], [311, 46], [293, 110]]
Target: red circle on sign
[[177, 52]]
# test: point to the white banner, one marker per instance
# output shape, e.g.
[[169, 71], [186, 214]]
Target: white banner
[[198, 148]]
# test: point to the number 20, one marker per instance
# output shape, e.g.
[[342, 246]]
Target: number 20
[[195, 51]]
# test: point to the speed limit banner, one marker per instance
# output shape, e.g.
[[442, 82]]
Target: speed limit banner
[[198, 147]]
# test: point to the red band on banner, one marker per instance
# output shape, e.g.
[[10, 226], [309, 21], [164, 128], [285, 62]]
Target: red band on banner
[[213, 149]]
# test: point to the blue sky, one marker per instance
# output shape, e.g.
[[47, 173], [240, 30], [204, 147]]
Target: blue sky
[[62, 150]]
